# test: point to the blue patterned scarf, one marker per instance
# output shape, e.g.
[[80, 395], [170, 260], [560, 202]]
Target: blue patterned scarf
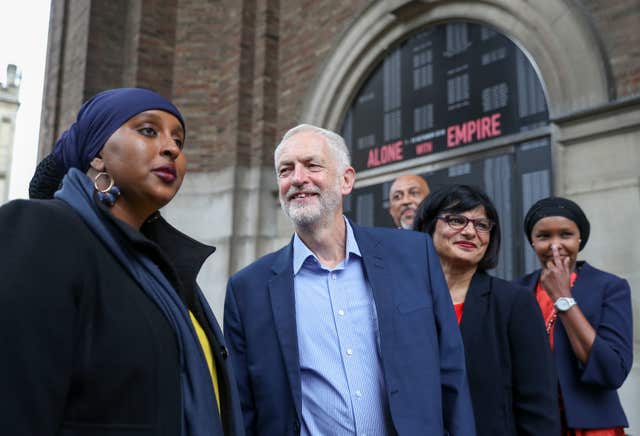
[[198, 398]]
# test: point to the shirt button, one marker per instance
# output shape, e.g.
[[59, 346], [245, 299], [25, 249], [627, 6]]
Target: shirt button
[[349, 351], [333, 276], [341, 312], [358, 394]]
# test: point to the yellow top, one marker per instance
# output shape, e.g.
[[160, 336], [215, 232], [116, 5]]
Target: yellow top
[[206, 348]]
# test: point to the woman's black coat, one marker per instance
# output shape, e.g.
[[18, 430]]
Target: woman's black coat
[[509, 364], [84, 350]]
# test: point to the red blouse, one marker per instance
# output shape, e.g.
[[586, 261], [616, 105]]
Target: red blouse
[[548, 310], [458, 307]]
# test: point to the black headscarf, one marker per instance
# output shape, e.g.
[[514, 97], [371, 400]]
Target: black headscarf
[[557, 206]]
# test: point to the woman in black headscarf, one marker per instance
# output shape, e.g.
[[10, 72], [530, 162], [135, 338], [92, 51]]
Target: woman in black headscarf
[[588, 319], [103, 328]]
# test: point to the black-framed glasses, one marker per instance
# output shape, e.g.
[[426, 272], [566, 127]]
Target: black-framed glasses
[[459, 222]]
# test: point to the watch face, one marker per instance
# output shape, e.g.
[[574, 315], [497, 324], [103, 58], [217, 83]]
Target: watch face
[[563, 303]]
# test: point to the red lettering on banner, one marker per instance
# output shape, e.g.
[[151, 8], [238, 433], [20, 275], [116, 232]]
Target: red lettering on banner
[[471, 130], [486, 127], [474, 130], [424, 148], [495, 125], [385, 154]]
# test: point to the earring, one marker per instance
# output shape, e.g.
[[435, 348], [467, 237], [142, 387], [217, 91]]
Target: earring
[[108, 195]]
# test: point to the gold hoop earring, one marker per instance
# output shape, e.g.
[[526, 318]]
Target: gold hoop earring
[[108, 195], [97, 178]]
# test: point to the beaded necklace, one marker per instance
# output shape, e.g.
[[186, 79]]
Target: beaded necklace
[[553, 318]]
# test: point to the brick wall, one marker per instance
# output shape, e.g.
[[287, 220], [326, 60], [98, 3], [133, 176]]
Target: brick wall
[[105, 54], [239, 70], [618, 24], [65, 70], [206, 79], [156, 29], [309, 31]]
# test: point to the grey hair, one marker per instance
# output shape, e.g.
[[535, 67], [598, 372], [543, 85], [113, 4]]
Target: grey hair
[[335, 141]]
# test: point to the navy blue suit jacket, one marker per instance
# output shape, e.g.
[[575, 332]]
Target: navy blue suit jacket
[[511, 372], [589, 391], [421, 347]]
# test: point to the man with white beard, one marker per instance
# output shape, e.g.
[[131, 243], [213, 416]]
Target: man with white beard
[[405, 195], [347, 330]]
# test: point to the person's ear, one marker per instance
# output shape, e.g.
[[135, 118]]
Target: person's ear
[[348, 179], [97, 164]]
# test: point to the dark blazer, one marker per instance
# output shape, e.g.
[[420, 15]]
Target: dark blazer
[[421, 349], [85, 351], [589, 391], [509, 364]]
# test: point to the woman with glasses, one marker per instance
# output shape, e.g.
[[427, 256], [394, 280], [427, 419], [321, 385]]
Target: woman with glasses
[[588, 319], [509, 364]]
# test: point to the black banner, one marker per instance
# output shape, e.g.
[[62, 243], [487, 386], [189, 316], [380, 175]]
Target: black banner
[[450, 86]]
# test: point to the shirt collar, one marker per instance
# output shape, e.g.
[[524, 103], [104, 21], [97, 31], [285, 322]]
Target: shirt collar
[[301, 252]]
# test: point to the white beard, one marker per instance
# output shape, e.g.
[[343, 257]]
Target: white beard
[[406, 225], [305, 215]]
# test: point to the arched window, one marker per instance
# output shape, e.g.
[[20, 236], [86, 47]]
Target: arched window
[[455, 103]]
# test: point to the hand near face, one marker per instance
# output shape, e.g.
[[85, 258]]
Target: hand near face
[[556, 275]]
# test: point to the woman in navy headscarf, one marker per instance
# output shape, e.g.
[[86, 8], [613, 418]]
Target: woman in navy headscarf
[[103, 328]]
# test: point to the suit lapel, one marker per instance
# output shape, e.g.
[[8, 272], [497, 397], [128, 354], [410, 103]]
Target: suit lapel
[[530, 281], [283, 305], [476, 305], [373, 259], [583, 291]]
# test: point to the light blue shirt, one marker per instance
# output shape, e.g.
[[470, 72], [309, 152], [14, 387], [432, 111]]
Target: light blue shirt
[[343, 390]]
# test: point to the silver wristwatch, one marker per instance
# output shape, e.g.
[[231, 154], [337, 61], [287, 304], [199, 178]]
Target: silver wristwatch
[[563, 304]]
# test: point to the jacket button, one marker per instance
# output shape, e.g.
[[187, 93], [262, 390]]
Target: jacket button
[[224, 353], [296, 426]]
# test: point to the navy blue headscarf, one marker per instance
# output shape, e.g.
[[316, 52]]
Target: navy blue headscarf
[[98, 118]]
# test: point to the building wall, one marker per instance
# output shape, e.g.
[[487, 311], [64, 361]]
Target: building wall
[[614, 22], [244, 71], [9, 104]]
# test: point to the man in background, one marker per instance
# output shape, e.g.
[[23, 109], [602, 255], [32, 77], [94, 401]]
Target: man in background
[[405, 195]]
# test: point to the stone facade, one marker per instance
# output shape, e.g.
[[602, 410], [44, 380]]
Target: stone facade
[[9, 104], [245, 71]]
